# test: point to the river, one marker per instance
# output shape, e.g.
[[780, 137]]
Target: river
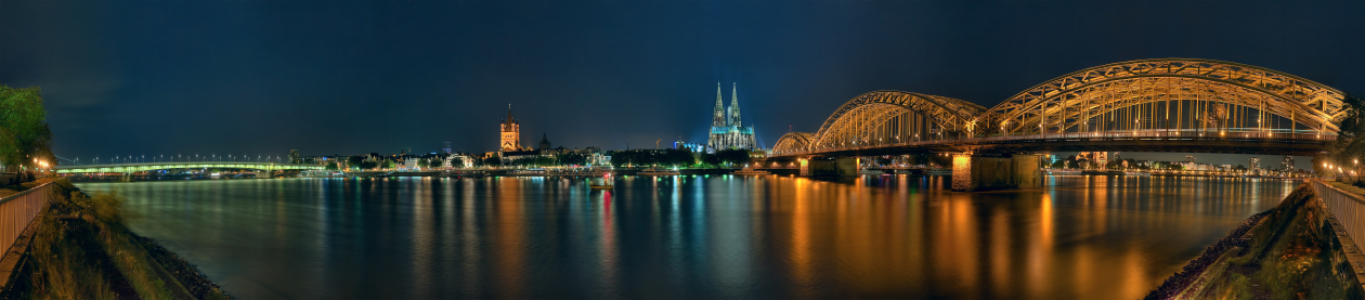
[[696, 236]]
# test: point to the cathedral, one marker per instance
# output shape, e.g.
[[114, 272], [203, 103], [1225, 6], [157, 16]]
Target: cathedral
[[727, 132]]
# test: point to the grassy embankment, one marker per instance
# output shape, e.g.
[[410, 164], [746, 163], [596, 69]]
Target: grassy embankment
[[1287, 252], [81, 250]]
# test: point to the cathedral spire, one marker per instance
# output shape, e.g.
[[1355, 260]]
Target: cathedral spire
[[734, 105], [718, 117]]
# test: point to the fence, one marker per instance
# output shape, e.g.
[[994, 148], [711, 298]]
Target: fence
[[1348, 208], [18, 210]]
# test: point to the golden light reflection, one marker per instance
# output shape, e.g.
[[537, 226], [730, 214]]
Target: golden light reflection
[[803, 270], [510, 237]]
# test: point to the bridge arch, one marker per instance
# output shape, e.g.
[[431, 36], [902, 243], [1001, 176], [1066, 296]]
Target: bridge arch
[[884, 117], [1170, 94], [793, 142]]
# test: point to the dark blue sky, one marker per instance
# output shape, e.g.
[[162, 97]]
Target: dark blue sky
[[327, 77]]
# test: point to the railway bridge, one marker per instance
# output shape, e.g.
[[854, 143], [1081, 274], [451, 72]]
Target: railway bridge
[[1151, 105]]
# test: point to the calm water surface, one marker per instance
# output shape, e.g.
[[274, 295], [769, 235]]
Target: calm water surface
[[1088, 237]]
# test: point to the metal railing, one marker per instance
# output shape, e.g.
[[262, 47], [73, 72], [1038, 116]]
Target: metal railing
[[1348, 208], [18, 210]]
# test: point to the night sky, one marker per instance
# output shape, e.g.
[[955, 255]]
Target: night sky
[[325, 77]]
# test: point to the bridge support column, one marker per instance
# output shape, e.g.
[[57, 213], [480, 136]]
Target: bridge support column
[[263, 174], [979, 173], [127, 177], [828, 167]]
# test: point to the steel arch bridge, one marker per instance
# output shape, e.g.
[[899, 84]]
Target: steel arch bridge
[[142, 167], [1176, 104]]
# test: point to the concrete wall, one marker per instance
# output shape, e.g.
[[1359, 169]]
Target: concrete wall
[[1026, 172], [829, 167], [976, 173]]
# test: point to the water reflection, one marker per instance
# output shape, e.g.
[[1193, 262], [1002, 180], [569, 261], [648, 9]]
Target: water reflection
[[691, 236]]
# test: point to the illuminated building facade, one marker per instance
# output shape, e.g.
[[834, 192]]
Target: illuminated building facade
[[511, 133], [727, 131]]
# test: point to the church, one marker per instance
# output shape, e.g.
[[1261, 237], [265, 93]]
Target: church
[[727, 131], [511, 134]]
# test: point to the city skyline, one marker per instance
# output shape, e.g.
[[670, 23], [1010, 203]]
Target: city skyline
[[179, 68]]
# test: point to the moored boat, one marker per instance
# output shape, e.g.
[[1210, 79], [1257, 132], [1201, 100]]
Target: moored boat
[[750, 172], [657, 172]]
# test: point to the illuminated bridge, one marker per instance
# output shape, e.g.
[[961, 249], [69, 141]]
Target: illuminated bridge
[[1153, 105], [130, 168]]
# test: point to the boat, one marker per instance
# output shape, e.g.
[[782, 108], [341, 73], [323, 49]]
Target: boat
[[606, 184], [939, 172], [657, 172], [578, 172], [750, 172]]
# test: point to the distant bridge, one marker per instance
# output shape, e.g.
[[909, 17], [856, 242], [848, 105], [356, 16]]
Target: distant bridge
[[128, 168], [1154, 105]]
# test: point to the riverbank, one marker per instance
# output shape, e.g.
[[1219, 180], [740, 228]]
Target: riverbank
[[81, 249], [1286, 252]]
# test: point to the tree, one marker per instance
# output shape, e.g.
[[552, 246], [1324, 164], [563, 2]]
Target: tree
[[388, 164], [423, 163], [355, 161], [24, 134], [368, 164], [734, 156], [492, 161], [331, 166], [1350, 144], [571, 159]]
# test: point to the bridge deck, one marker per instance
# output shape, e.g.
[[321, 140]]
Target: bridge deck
[[140, 167]]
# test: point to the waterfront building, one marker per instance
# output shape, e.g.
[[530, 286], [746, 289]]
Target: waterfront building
[[544, 142], [727, 129], [1254, 164], [694, 147]]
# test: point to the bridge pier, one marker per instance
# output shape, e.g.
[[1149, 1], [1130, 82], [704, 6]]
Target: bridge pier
[[127, 177], [828, 167], [979, 173], [263, 174]]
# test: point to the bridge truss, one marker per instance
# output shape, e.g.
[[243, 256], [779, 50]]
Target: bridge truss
[[1155, 104]]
